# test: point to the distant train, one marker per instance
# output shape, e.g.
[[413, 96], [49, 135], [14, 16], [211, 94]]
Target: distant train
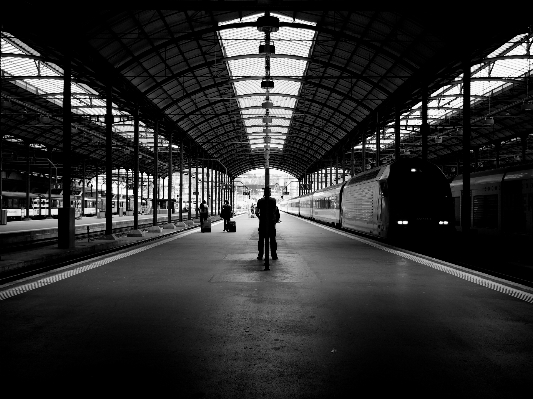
[[501, 201], [408, 198], [15, 204]]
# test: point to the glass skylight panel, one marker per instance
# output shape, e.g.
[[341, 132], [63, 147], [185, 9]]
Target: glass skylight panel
[[505, 68], [246, 41], [84, 99]]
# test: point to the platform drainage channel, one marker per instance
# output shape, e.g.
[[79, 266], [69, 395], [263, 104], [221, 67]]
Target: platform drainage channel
[[245, 268]]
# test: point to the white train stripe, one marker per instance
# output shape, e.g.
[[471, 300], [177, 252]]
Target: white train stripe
[[506, 287], [11, 292]]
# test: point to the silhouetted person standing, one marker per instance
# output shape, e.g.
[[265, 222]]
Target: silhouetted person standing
[[226, 214], [204, 212], [268, 214]]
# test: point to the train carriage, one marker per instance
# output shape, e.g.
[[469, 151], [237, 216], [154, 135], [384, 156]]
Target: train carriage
[[306, 206], [409, 198], [293, 206], [327, 204], [501, 201]]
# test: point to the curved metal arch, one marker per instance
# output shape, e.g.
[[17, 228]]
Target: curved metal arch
[[324, 64], [317, 28], [222, 151], [303, 122], [244, 117], [289, 167], [284, 118], [295, 129], [206, 120], [230, 80]]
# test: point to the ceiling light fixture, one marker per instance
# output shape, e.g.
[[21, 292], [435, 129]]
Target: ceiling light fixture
[[267, 84], [267, 49], [527, 106], [267, 23]]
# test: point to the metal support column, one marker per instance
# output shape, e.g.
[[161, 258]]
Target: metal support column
[[465, 199], [96, 192], [28, 188], [84, 172], [127, 185], [169, 206], [363, 153], [352, 161], [343, 164], [190, 183], [396, 132], [212, 174], [196, 190], [203, 196], [215, 188], [524, 147], [156, 173], [136, 198], [118, 192], [2, 168], [207, 177], [337, 168], [424, 128], [378, 144], [66, 228], [181, 180], [49, 149], [498, 146]]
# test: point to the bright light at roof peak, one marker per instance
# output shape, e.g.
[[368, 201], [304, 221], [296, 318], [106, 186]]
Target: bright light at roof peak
[[253, 18], [245, 41]]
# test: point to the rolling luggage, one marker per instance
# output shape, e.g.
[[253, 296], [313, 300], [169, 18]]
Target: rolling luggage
[[206, 227], [232, 228]]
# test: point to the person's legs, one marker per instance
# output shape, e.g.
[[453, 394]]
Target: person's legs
[[273, 244], [260, 245]]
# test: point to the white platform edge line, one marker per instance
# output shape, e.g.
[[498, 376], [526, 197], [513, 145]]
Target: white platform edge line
[[11, 292], [500, 287]]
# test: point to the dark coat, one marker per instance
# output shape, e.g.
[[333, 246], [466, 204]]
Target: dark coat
[[226, 211], [267, 212]]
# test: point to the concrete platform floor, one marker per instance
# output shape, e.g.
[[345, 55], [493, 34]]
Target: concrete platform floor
[[195, 316]]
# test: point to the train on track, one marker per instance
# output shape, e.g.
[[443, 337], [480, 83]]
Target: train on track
[[501, 201], [14, 203], [409, 198]]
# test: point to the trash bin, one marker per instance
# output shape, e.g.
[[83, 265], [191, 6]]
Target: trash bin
[[120, 211], [3, 217]]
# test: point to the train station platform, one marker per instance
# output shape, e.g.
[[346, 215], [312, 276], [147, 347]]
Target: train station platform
[[194, 315]]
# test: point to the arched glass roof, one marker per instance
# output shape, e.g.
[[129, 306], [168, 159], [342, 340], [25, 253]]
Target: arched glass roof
[[196, 74]]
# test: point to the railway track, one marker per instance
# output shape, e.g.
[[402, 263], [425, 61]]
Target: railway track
[[473, 255], [52, 264]]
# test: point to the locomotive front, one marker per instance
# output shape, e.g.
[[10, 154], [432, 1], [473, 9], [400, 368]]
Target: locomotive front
[[419, 199]]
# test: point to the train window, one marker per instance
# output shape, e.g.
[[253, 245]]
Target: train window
[[457, 206], [485, 211]]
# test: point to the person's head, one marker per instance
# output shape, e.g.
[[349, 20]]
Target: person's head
[[226, 202], [204, 202], [266, 191]]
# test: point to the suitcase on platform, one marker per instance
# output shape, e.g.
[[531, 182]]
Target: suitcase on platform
[[232, 227], [206, 226]]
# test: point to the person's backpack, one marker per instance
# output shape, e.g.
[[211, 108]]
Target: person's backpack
[[203, 208], [276, 216]]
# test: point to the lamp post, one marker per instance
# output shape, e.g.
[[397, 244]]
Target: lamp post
[[292, 181], [243, 185]]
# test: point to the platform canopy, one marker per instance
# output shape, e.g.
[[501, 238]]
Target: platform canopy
[[197, 72]]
